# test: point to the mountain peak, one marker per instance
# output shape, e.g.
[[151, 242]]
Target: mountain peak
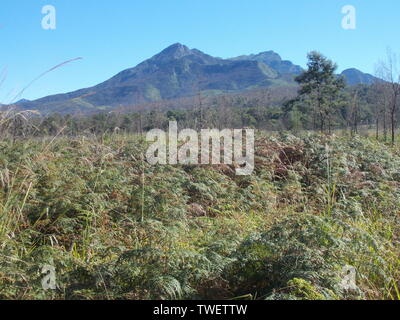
[[175, 51], [179, 51], [270, 56], [273, 60], [354, 76]]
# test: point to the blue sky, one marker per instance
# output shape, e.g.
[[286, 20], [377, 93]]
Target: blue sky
[[114, 35]]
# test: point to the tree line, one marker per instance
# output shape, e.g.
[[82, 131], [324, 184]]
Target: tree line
[[322, 102]]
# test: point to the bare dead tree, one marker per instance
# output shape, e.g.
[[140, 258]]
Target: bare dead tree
[[354, 113], [381, 105], [389, 71]]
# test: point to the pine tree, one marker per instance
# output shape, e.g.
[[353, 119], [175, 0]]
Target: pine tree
[[321, 88]]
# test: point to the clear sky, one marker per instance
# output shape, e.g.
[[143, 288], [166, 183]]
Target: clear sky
[[114, 35]]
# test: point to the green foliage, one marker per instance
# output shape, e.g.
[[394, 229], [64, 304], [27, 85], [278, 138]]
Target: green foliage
[[320, 89], [116, 228], [302, 289]]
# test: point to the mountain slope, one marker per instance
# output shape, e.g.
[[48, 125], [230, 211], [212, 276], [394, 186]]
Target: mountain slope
[[178, 72], [273, 60], [354, 76], [175, 72]]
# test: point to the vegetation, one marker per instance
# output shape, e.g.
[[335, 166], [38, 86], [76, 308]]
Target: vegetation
[[76, 194], [116, 228], [321, 88]]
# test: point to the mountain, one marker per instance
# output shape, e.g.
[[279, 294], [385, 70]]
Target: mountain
[[176, 72], [354, 77], [22, 101], [274, 61]]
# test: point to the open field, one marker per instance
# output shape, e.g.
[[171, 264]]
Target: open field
[[114, 227]]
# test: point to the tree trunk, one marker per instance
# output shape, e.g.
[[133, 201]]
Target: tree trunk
[[384, 125], [392, 119]]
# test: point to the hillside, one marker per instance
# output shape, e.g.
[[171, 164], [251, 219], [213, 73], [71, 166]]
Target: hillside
[[178, 72], [354, 76], [274, 61]]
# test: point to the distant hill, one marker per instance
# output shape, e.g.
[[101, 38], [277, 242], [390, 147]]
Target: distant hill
[[22, 101], [354, 76], [176, 72]]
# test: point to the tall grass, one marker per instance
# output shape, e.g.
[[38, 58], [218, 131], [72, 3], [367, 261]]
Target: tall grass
[[115, 227]]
